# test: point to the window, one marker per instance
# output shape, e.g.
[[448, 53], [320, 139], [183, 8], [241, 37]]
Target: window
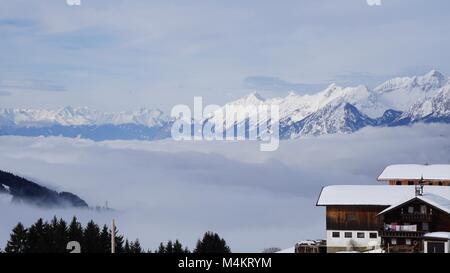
[[408, 241], [423, 209], [348, 235], [440, 184], [393, 241], [410, 209], [373, 235], [410, 182], [360, 235], [398, 183], [425, 227], [336, 234]]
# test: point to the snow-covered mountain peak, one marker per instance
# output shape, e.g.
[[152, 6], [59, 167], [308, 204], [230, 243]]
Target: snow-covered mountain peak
[[253, 98], [432, 108], [430, 81], [401, 93]]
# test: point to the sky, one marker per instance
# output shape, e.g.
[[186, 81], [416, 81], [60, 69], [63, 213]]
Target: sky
[[126, 54], [168, 190]]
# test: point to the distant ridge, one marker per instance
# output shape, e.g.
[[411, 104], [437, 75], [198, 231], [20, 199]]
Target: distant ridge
[[25, 191]]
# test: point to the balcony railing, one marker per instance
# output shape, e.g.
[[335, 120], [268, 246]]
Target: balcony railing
[[417, 217], [401, 234]]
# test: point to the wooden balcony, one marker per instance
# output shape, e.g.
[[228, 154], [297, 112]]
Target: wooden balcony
[[401, 234], [416, 217]]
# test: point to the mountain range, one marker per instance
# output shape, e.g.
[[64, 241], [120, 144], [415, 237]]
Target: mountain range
[[396, 102]]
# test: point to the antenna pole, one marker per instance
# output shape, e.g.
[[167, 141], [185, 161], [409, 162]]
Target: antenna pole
[[113, 237]]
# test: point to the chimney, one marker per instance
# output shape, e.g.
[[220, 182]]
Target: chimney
[[419, 187]]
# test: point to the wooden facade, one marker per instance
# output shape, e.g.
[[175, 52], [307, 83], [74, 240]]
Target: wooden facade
[[353, 217], [414, 213], [403, 182]]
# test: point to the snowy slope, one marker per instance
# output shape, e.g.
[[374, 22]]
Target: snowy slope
[[337, 116], [401, 93], [431, 109]]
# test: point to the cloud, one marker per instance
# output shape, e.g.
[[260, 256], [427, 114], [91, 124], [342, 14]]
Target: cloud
[[195, 48], [5, 93], [265, 83], [365, 78], [16, 23], [32, 85], [166, 190]]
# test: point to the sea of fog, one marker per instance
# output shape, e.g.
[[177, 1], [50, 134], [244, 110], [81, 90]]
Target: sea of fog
[[178, 190]]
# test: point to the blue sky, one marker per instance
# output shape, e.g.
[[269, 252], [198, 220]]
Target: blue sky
[[126, 54]]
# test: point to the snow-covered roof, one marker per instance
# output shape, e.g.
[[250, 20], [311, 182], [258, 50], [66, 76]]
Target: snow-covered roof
[[416, 172], [438, 201], [377, 195], [441, 235], [287, 250]]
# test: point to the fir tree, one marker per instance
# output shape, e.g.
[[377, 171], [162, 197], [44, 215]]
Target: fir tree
[[91, 238], [212, 243], [75, 231], [127, 247], [135, 247], [177, 247], [105, 240], [59, 235], [169, 247], [38, 237], [18, 242], [161, 249]]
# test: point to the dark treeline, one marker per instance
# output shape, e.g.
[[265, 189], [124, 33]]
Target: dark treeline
[[53, 237], [44, 237]]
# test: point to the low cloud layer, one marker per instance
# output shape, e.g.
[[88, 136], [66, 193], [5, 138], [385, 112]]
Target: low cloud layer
[[167, 190]]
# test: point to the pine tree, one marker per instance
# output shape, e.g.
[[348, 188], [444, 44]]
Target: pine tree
[[127, 247], [135, 247], [169, 247], [177, 247], [105, 240], [212, 243], [91, 238], [59, 235], [161, 249], [75, 231], [18, 242], [38, 237]]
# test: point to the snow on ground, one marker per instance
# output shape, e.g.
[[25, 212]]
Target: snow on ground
[[167, 190]]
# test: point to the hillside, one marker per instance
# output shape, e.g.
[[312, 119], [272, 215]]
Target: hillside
[[25, 191]]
